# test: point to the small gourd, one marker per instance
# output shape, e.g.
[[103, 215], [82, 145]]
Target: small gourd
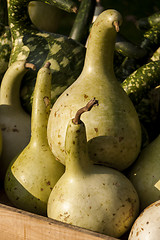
[[113, 130], [32, 175], [91, 196], [15, 123]]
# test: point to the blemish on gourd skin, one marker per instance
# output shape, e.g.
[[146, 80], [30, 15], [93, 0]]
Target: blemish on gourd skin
[[85, 96], [96, 130], [121, 138]]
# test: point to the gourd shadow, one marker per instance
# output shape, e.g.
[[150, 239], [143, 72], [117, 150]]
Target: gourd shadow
[[104, 145], [24, 200]]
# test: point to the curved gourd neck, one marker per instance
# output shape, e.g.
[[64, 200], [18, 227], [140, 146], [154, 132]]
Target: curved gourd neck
[[18, 16], [77, 159], [10, 86], [100, 48], [41, 107]]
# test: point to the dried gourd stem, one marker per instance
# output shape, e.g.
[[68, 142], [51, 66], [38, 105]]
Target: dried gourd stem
[[88, 107], [98, 2], [116, 25], [30, 65], [47, 65], [74, 9]]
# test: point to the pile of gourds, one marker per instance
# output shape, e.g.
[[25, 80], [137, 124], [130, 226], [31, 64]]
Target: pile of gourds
[[78, 139]]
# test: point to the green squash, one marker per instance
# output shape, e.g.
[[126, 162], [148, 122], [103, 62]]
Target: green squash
[[65, 55]]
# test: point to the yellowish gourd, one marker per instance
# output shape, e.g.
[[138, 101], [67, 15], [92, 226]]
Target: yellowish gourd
[[91, 196], [113, 130], [32, 175]]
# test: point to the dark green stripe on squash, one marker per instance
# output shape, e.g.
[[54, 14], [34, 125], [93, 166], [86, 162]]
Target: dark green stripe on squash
[[83, 20]]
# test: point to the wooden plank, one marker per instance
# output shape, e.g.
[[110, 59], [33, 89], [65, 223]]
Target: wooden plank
[[17, 224]]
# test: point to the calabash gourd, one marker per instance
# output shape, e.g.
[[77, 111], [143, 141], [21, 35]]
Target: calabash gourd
[[32, 175], [91, 196], [15, 123], [113, 130], [147, 225], [65, 55], [144, 174]]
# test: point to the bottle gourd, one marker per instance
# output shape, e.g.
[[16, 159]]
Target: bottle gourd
[[15, 123], [32, 175], [91, 196], [113, 130]]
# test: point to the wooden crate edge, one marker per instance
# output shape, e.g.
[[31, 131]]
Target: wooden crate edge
[[16, 224]]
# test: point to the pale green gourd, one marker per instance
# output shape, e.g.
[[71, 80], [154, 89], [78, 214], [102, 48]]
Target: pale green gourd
[[113, 130], [32, 175], [91, 196], [15, 123], [145, 174], [44, 16]]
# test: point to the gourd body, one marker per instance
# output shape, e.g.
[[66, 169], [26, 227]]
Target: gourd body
[[113, 129], [90, 196], [31, 176], [15, 123], [44, 16], [144, 174]]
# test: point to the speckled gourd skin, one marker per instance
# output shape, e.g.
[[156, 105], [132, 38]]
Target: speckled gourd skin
[[32, 175], [146, 225], [15, 123], [65, 55], [144, 174], [113, 129], [90, 196]]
